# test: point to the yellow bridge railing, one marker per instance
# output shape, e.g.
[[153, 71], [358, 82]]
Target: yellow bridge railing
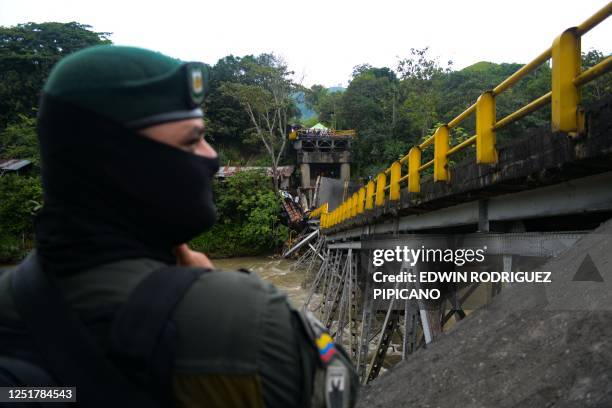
[[318, 212], [567, 78]]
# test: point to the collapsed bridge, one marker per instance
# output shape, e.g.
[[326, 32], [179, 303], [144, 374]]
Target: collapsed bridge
[[527, 200]]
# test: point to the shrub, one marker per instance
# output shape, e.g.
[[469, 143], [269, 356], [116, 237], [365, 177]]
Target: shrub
[[247, 218], [20, 199]]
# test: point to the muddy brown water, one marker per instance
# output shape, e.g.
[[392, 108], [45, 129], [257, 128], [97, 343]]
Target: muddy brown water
[[273, 270]]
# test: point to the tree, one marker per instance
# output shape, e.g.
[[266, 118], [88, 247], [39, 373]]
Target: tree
[[27, 54], [247, 217], [19, 141], [21, 197], [596, 89], [264, 91], [314, 96], [328, 109], [227, 123], [369, 105], [420, 88]]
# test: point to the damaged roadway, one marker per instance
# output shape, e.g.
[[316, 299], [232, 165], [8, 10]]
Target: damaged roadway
[[535, 345]]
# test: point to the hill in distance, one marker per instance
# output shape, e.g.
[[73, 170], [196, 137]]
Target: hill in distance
[[305, 111]]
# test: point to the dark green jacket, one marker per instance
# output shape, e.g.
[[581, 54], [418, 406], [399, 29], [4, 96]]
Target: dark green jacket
[[237, 340]]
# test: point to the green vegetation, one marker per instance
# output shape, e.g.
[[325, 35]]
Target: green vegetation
[[20, 195], [19, 141], [27, 54], [21, 198], [247, 218], [249, 103], [264, 91], [393, 110]]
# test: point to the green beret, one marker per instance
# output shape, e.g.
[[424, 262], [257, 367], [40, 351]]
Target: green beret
[[131, 86]]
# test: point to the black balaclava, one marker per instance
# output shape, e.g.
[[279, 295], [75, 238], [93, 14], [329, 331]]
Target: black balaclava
[[111, 193]]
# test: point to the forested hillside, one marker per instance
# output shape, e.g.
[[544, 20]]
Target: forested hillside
[[392, 109], [250, 103]]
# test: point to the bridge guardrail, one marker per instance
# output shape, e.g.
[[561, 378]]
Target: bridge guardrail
[[317, 212], [567, 78]]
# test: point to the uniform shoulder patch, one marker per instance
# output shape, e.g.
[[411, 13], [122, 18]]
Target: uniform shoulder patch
[[320, 336]]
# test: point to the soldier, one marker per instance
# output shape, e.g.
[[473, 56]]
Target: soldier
[[127, 178]]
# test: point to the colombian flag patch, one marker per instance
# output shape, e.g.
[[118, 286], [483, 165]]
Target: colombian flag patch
[[326, 347]]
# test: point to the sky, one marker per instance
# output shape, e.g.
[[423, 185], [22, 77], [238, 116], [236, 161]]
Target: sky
[[322, 40]]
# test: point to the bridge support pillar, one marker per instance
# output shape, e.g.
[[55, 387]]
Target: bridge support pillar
[[345, 171], [366, 322], [305, 170]]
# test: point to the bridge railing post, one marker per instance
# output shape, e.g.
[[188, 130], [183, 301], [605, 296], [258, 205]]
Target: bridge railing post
[[441, 146], [565, 95], [369, 201], [347, 210], [381, 182], [486, 153], [361, 199], [414, 162], [394, 183]]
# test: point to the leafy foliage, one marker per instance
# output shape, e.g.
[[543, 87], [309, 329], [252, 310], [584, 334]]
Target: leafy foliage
[[21, 198], [393, 110], [19, 141], [596, 89], [250, 101], [20, 195], [247, 217], [264, 90], [27, 54]]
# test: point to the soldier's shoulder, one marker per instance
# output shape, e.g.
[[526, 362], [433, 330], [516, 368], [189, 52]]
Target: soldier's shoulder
[[224, 319]]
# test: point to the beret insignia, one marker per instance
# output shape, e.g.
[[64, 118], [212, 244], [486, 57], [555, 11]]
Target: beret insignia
[[195, 82]]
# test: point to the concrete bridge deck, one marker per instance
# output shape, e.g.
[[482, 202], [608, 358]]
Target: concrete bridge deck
[[547, 191], [541, 174]]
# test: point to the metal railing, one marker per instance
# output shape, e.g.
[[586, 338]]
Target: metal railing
[[567, 78], [316, 213]]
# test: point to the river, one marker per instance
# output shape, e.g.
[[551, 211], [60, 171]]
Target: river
[[273, 270]]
